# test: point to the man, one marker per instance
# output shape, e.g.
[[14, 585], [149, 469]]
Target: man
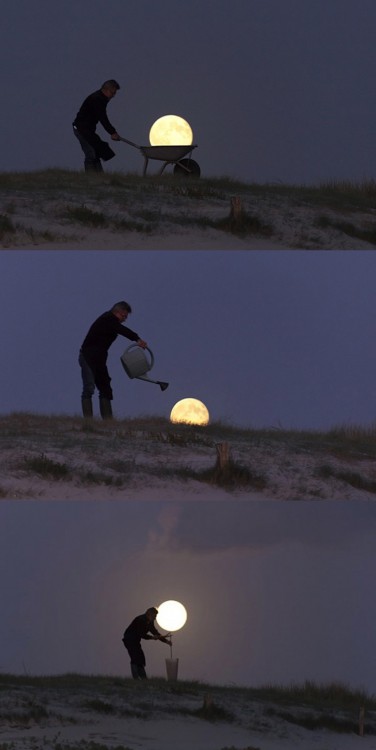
[[92, 111], [139, 628], [93, 357]]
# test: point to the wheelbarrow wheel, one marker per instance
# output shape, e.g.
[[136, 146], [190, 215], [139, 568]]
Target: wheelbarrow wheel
[[187, 168]]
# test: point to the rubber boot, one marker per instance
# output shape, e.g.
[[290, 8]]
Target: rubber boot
[[105, 408], [134, 670], [141, 672], [93, 165], [87, 407]]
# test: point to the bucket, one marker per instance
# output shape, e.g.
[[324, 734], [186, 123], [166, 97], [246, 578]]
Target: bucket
[[172, 669], [135, 361]]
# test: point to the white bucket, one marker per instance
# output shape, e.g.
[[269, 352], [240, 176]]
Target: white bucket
[[135, 361], [172, 669]]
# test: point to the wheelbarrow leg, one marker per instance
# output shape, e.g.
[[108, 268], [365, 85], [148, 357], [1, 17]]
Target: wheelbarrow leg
[[163, 167], [146, 161]]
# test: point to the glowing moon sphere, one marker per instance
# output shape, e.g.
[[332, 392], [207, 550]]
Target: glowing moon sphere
[[171, 615], [171, 130], [190, 411]]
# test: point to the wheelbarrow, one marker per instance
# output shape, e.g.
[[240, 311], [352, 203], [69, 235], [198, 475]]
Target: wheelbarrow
[[169, 155]]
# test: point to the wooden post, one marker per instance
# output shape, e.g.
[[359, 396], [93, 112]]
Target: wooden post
[[223, 455], [361, 721], [236, 208], [208, 702]]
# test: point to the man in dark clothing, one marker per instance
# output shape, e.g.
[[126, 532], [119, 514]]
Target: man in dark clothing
[[92, 111], [93, 357], [139, 628]]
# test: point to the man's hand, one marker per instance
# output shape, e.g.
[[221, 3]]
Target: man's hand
[[115, 137], [141, 343]]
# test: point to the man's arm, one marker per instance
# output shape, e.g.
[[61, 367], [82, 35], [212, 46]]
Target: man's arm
[[157, 636], [124, 331], [104, 121]]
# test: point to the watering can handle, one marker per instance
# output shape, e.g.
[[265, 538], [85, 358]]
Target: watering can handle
[[132, 346]]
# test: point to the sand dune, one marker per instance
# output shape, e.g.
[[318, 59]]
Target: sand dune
[[115, 713], [66, 458], [66, 210]]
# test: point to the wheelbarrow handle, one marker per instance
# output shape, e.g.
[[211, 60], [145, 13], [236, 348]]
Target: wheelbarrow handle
[[130, 143]]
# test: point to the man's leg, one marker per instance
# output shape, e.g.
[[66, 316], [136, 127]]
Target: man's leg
[[88, 388], [137, 658], [103, 383], [134, 670], [141, 662], [105, 408], [92, 163]]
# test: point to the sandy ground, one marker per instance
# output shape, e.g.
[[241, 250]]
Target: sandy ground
[[127, 460], [143, 716], [171, 219]]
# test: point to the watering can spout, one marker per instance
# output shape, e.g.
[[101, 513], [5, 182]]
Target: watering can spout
[[161, 384]]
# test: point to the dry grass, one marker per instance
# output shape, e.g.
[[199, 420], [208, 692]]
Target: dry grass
[[67, 457], [334, 707], [61, 204]]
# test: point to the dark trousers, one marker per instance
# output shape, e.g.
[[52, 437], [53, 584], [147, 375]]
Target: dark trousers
[[92, 162], [95, 374], [137, 658]]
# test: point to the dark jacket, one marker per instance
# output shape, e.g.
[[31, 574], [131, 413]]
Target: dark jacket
[[139, 628], [92, 111], [103, 333]]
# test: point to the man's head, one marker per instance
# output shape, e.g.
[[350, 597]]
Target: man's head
[[151, 614], [121, 310], [109, 88]]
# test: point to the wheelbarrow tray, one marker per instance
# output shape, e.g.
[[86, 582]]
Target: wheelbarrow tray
[[166, 153]]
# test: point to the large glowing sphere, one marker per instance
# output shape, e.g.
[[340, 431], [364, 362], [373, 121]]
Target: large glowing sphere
[[171, 130], [190, 411], [171, 615]]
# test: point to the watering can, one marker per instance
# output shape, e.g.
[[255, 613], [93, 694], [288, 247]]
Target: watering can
[[136, 364]]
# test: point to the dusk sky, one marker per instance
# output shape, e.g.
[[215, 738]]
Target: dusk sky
[[275, 591], [264, 339], [275, 90]]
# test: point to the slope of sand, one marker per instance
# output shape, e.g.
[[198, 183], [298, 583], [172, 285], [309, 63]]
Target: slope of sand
[[115, 713], [66, 458], [133, 213]]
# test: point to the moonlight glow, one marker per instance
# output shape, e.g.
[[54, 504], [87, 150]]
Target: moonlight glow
[[171, 130], [171, 615], [190, 411]]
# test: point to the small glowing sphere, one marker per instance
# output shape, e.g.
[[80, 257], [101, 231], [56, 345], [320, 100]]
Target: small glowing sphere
[[190, 411], [171, 130], [171, 615]]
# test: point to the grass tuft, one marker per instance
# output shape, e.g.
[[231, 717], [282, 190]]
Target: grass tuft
[[312, 722], [366, 234], [6, 226], [85, 216], [353, 478], [99, 706], [46, 467], [244, 226], [211, 713], [99, 477]]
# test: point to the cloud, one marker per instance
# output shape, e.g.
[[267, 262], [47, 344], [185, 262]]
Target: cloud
[[254, 527]]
